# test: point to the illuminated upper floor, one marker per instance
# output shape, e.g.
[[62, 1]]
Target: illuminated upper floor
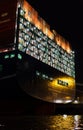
[[36, 39], [32, 16]]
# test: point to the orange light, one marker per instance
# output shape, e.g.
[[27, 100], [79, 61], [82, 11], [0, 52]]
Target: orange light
[[32, 15]]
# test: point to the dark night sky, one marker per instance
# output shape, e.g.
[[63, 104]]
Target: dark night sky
[[65, 16]]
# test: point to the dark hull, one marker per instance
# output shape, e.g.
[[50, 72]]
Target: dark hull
[[36, 78], [41, 80], [22, 91], [14, 101]]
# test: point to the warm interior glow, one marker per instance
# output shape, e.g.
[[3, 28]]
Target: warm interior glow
[[32, 15], [61, 88]]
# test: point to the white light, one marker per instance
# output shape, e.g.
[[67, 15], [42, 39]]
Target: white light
[[76, 102], [64, 116], [68, 101], [58, 101]]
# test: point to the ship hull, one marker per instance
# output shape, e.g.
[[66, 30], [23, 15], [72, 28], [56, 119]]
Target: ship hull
[[37, 78], [43, 81], [23, 90]]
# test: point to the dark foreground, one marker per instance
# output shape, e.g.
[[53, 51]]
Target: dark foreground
[[56, 122], [14, 101]]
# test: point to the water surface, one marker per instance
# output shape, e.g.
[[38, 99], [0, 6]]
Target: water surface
[[56, 122]]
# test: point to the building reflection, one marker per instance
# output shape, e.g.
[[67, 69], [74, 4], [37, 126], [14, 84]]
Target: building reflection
[[61, 122], [56, 122]]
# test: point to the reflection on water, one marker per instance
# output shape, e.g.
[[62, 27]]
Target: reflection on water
[[57, 122]]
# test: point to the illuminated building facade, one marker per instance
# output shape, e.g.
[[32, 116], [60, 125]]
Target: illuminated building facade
[[45, 60]]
